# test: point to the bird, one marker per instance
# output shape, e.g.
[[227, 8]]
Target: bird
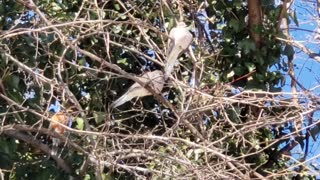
[[153, 78], [55, 124], [180, 40]]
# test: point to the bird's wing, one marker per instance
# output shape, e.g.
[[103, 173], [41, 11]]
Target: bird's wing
[[171, 59], [136, 90], [184, 38], [156, 80], [171, 40]]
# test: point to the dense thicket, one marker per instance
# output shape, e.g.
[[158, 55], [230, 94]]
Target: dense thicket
[[221, 115]]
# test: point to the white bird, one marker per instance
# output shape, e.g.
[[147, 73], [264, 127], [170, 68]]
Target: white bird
[[180, 40], [154, 79]]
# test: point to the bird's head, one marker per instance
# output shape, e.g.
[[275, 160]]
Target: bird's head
[[181, 24]]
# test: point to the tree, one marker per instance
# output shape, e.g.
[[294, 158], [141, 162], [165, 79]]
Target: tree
[[221, 115]]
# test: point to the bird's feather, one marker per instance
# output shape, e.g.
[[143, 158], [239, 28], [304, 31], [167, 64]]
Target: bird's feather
[[55, 124], [155, 78], [180, 40]]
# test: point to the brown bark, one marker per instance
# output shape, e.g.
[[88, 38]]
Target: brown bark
[[255, 20]]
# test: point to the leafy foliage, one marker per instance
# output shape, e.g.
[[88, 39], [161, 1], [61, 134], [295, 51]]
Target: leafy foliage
[[70, 51]]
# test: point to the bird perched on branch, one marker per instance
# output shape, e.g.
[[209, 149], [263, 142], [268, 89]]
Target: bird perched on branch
[[57, 120], [154, 79], [180, 40]]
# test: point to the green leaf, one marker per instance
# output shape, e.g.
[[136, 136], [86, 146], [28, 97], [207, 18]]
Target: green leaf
[[6, 162], [82, 62], [80, 123], [123, 16], [250, 66], [99, 116], [171, 23], [234, 24], [29, 40], [293, 15], [247, 46], [117, 7], [230, 74], [260, 60], [314, 132], [14, 81], [123, 61], [220, 26], [300, 141], [260, 77], [240, 70], [56, 6], [289, 51], [94, 41], [116, 29]]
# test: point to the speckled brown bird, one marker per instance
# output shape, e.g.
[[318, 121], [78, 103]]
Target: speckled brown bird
[[55, 125]]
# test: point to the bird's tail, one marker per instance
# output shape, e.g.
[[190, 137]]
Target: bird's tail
[[55, 145], [171, 61], [124, 98], [168, 70]]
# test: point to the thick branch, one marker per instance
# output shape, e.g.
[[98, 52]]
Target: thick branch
[[255, 20], [37, 144]]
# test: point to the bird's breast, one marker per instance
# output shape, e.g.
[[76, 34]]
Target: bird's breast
[[59, 117]]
